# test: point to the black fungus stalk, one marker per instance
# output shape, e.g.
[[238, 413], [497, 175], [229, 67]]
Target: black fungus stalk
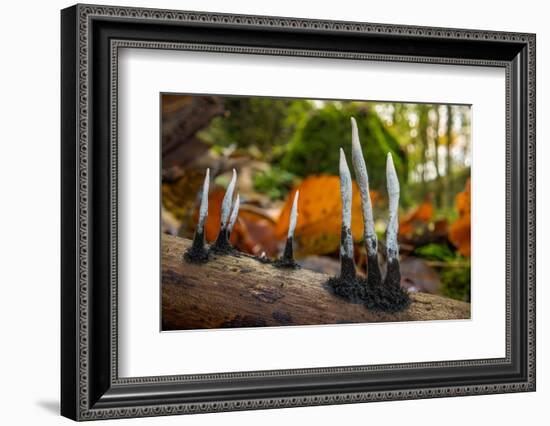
[[347, 264], [287, 260], [198, 253], [374, 277], [222, 244], [288, 253], [390, 297], [393, 274]]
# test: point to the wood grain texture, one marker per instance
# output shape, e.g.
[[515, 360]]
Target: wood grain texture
[[240, 291]]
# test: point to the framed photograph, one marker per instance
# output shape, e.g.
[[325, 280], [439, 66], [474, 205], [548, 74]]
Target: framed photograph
[[263, 212]]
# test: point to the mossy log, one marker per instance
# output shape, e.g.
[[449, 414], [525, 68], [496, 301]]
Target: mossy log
[[241, 291]]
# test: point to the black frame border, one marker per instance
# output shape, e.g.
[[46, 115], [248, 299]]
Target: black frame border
[[91, 36]]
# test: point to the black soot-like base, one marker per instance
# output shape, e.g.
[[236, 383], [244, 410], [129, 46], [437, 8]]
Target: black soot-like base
[[287, 260], [347, 285], [386, 297], [222, 245], [286, 263], [374, 276], [197, 253]]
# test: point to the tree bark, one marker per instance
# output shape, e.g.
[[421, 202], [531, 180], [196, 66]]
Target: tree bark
[[182, 118], [241, 291]]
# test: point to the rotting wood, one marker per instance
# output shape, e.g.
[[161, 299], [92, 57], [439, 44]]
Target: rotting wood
[[230, 291]]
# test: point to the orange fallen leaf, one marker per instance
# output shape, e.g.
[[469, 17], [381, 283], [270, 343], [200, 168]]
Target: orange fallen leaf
[[319, 215], [212, 224], [421, 215], [459, 231]]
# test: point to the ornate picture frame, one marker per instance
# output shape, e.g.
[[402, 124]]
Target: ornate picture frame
[[91, 38]]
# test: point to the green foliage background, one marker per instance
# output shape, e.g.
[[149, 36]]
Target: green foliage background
[[314, 149], [299, 138]]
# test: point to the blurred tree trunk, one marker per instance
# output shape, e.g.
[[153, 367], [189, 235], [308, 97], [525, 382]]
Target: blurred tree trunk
[[423, 136], [465, 119], [435, 142], [448, 161], [182, 118]]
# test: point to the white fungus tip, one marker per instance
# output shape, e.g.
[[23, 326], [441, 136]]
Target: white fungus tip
[[362, 178], [344, 169], [354, 134], [203, 209], [228, 198], [343, 162], [356, 151], [393, 222], [234, 213], [345, 190], [391, 175], [293, 215]]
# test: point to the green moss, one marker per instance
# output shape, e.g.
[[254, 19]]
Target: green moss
[[314, 147], [274, 182], [264, 123], [456, 283], [441, 252], [454, 272]]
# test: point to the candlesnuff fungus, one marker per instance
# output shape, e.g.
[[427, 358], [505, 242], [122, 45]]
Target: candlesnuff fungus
[[347, 285], [347, 265], [362, 178], [393, 274], [389, 297], [198, 253], [222, 245], [287, 260]]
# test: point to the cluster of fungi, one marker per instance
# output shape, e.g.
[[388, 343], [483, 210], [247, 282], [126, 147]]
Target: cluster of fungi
[[375, 292]]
